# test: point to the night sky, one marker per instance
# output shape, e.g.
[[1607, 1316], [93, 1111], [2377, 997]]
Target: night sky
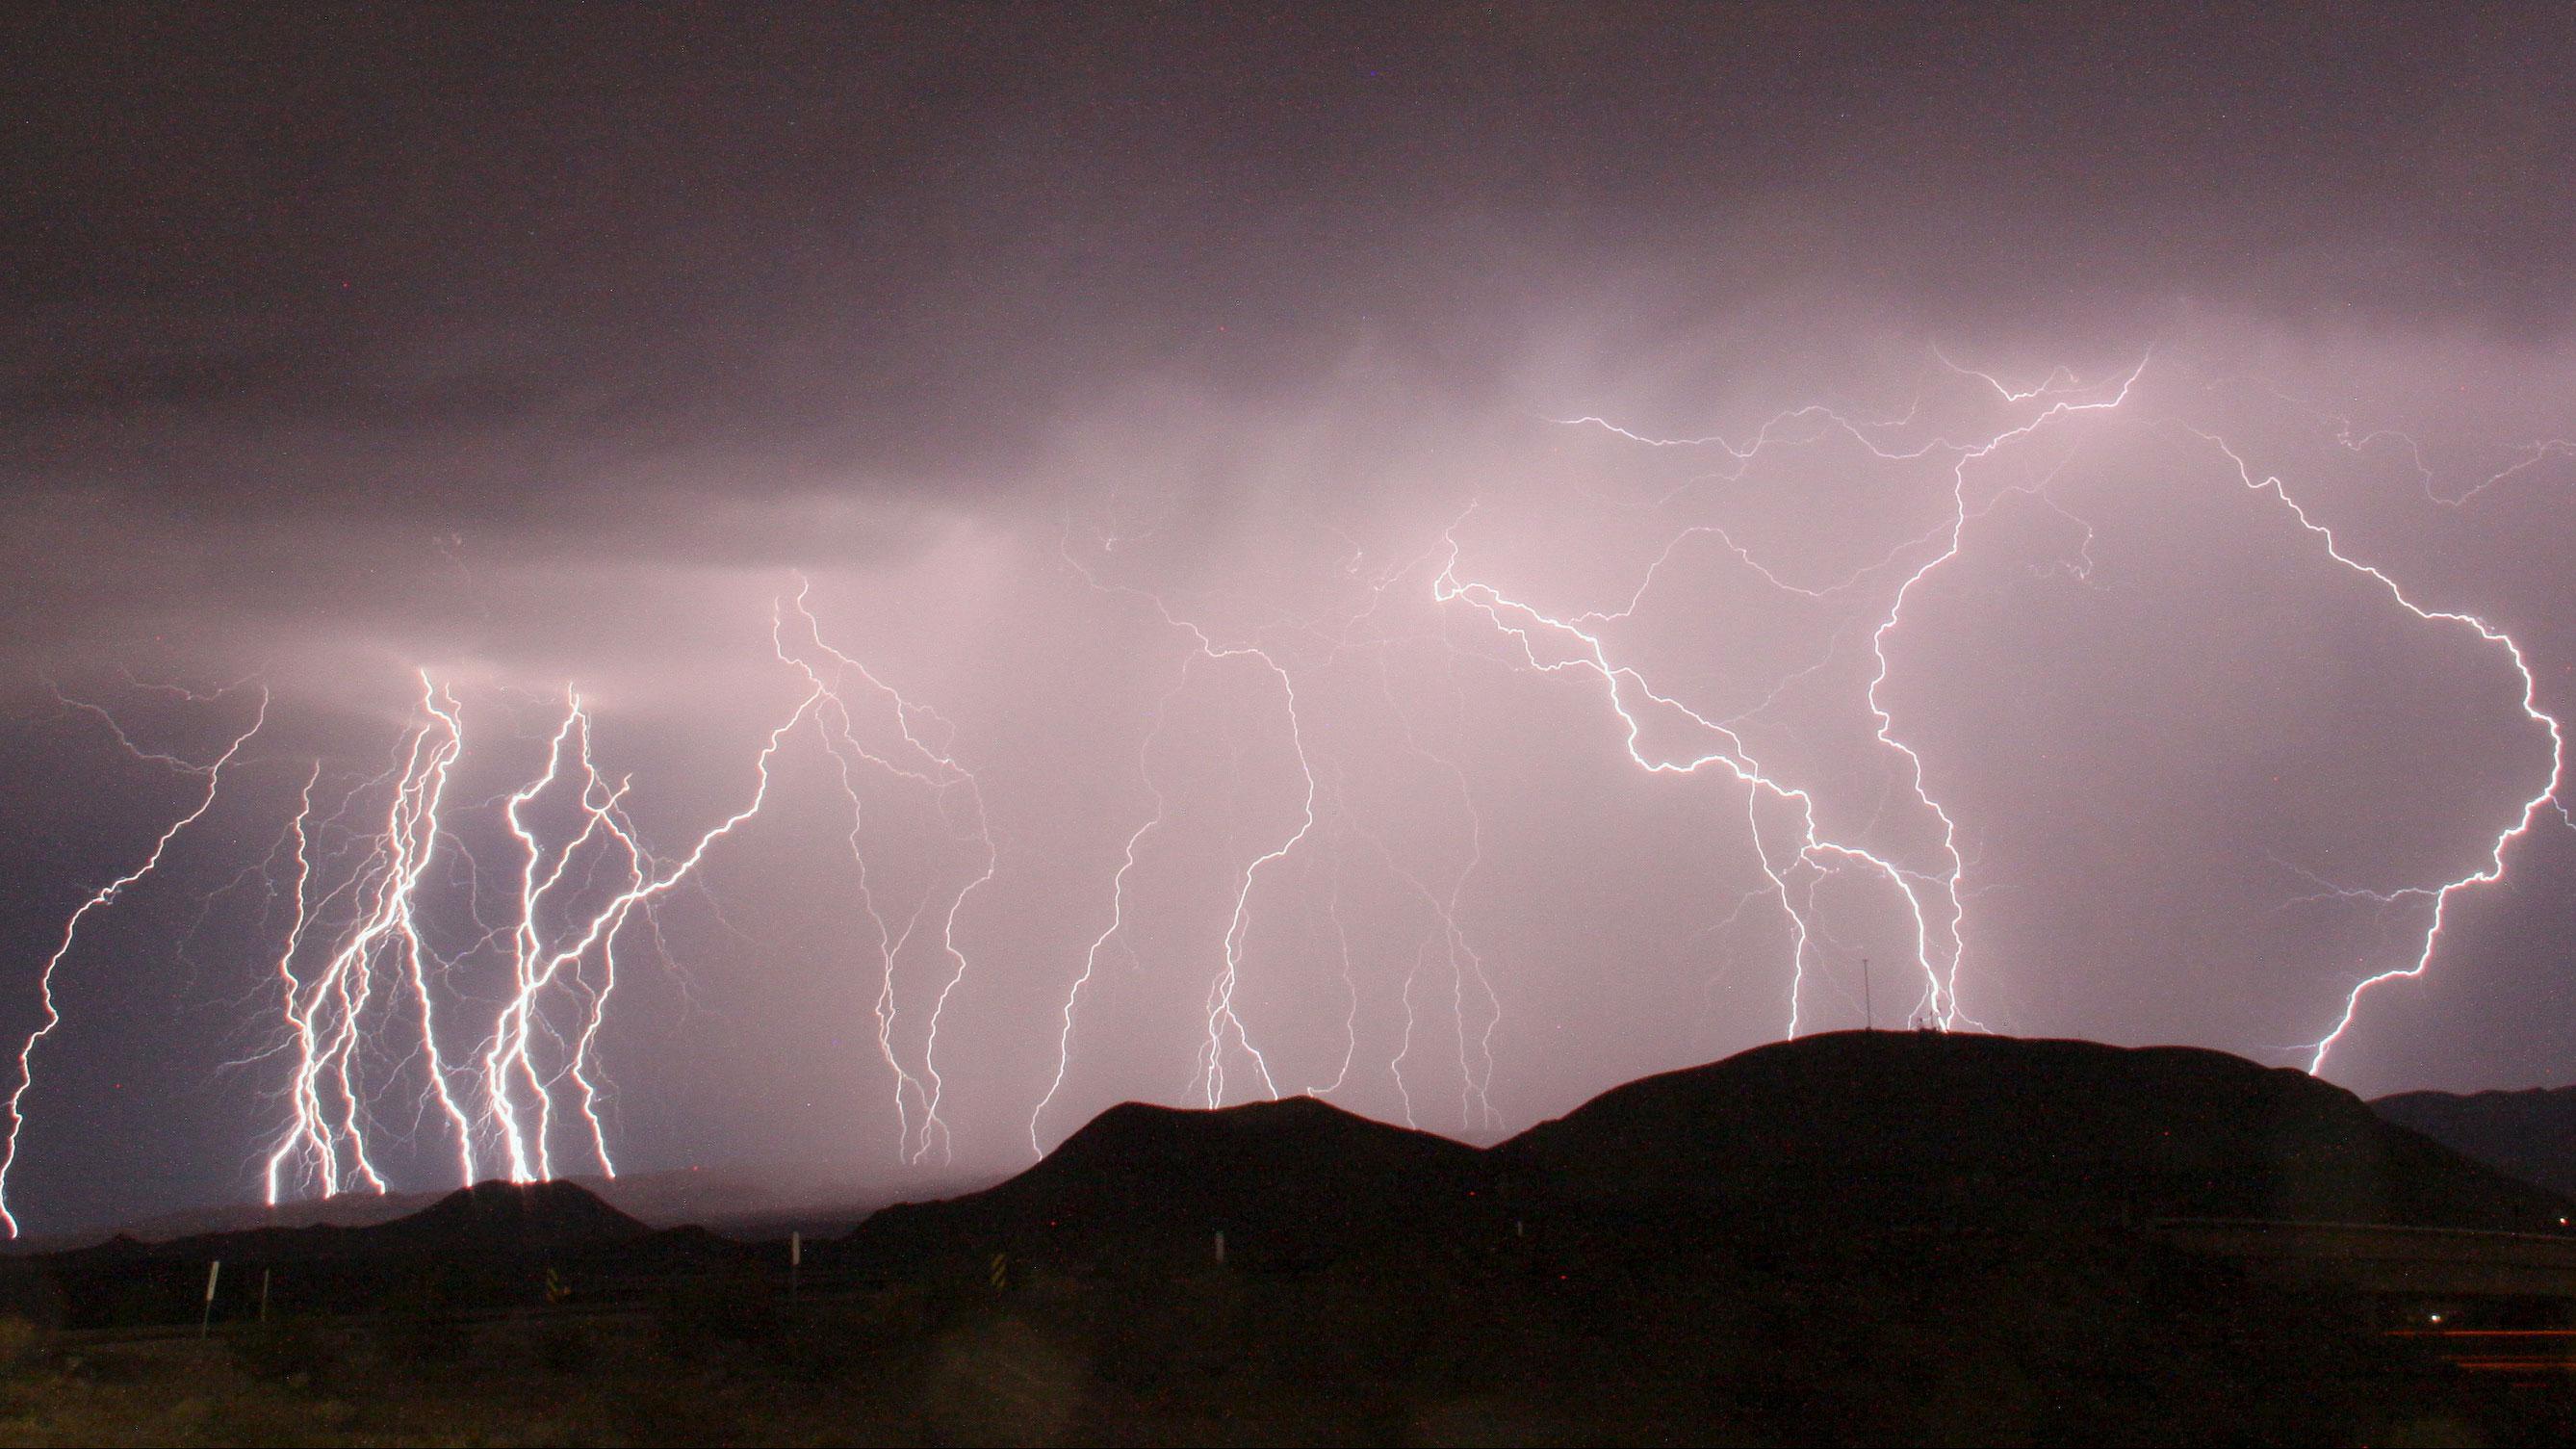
[[1270, 442]]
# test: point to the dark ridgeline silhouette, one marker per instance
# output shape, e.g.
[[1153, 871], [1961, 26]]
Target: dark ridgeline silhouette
[[1835, 1137], [2530, 1134], [490, 1246], [1858, 1237], [1845, 1131], [489, 1219], [1965, 1129], [743, 1200], [1295, 1182]]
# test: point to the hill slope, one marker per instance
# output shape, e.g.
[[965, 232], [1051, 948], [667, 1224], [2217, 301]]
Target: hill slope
[[2530, 1134], [1826, 1134], [1289, 1180], [487, 1220], [1965, 1128]]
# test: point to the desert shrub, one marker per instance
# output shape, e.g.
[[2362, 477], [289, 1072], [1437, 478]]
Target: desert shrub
[[22, 1343], [1152, 1330], [420, 1325], [800, 1353], [1000, 1378], [718, 1311], [878, 1329], [284, 1349], [32, 1294], [567, 1349]]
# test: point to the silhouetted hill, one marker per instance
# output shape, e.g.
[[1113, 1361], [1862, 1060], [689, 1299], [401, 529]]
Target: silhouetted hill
[[494, 1245], [347, 1210], [745, 1200], [1286, 1181], [1860, 1238], [1898, 1126], [1847, 1131], [531, 1218], [2530, 1134], [487, 1220], [1804, 1152]]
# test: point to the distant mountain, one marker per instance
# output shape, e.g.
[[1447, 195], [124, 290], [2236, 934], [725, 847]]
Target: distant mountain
[[743, 1199], [347, 1210], [746, 1199], [1957, 1128], [2530, 1134], [487, 1220], [1819, 1135], [1826, 1133], [1859, 1237], [492, 1245], [1285, 1181]]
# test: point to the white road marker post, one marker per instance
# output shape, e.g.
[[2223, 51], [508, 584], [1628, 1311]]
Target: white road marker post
[[214, 1270], [795, 1260]]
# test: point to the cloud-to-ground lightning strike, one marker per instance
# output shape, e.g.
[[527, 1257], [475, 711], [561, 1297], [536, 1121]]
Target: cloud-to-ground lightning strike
[[386, 1020], [577, 887], [1117, 912], [379, 970], [509, 1055], [2545, 801], [1225, 1031], [1629, 693], [100, 899], [325, 1145], [367, 997], [1795, 868], [1209, 1081], [936, 769], [509, 1059]]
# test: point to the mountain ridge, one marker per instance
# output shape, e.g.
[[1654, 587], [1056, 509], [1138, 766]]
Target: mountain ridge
[[1876, 1127], [2529, 1133], [1859, 1130]]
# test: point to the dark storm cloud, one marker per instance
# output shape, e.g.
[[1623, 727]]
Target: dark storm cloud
[[466, 260]]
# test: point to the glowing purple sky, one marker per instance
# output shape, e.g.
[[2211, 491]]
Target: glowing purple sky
[[1118, 383]]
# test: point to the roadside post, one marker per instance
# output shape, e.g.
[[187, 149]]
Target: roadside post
[[214, 1270]]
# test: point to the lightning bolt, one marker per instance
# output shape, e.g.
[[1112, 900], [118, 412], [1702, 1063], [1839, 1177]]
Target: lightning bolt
[[510, 1048], [2360, 442], [324, 1012], [1796, 858], [935, 768], [2544, 801], [1466, 963], [1225, 1036], [1208, 1081], [1934, 898], [578, 886], [1117, 906], [372, 996], [99, 900], [509, 1061]]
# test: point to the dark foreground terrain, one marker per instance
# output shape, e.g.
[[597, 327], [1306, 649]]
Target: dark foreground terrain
[[1852, 1238]]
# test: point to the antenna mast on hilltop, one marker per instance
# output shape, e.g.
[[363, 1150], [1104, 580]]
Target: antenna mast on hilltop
[[1868, 1017]]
